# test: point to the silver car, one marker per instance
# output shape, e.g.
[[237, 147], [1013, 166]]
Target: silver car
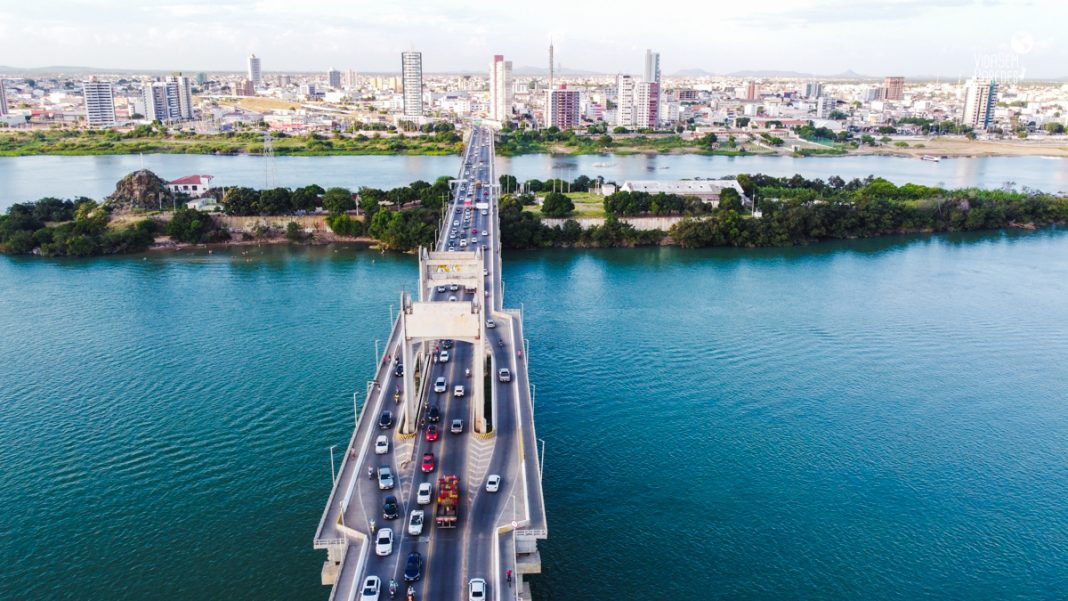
[[385, 478]]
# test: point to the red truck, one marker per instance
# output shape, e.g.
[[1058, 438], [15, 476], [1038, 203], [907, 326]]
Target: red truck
[[448, 510]]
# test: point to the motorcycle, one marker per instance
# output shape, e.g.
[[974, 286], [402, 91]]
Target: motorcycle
[[411, 593], [392, 589], [467, 372]]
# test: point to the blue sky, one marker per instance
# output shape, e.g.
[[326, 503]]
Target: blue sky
[[946, 38]]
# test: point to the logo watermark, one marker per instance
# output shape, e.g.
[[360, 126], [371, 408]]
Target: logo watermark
[[1005, 67]]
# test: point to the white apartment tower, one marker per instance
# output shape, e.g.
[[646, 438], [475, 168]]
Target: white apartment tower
[[979, 101], [412, 80], [500, 89], [652, 75], [647, 104], [255, 75], [185, 95], [625, 101], [161, 101], [99, 103]]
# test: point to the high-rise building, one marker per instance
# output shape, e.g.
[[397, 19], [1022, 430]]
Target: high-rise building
[[824, 107], [161, 101], [412, 78], [351, 79], [625, 101], [894, 88], [99, 102], [647, 104], [201, 78], [500, 104], [255, 74], [562, 108], [245, 87], [981, 95], [752, 92], [185, 95], [652, 75], [3, 99], [813, 89], [552, 66], [333, 78]]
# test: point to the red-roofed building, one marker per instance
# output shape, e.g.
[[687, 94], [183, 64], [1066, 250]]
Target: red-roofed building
[[193, 185]]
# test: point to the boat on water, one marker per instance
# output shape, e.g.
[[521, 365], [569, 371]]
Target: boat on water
[[603, 165], [931, 158]]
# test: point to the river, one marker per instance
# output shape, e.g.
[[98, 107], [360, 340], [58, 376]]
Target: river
[[29, 178], [879, 419]]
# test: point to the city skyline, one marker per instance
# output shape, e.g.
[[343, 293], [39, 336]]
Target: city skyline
[[456, 37]]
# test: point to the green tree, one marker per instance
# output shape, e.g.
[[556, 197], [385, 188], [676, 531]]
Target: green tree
[[241, 201], [557, 204], [276, 201], [191, 225], [294, 232], [338, 200], [730, 200]]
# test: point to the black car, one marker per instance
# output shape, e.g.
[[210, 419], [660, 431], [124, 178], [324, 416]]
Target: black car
[[433, 414], [390, 509], [385, 422], [413, 568], [399, 370], [446, 344]]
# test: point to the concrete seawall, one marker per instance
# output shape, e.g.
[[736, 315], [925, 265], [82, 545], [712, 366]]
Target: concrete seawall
[[639, 223]]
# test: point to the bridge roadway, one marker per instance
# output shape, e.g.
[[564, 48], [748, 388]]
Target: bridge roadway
[[485, 544]]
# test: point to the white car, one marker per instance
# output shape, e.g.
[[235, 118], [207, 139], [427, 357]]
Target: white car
[[458, 390], [476, 590], [485, 212], [425, 494], [452, 299], [463, 243], [485, 272], [504, 374], [493, 483], [454, 287], [457, 426], [440, 385], [485, 233], [384, 542], [385, 478], [415, 522], [456, 222], [444, 357], [371, 587], [491, 324], [381, 445]]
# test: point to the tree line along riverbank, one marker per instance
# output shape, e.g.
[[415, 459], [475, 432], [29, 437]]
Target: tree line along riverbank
[[774, 211]]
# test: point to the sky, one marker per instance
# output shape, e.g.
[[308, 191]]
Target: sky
[[944, 38]]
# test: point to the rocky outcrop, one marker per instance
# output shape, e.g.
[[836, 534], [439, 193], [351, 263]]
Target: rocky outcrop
[[141, 190]]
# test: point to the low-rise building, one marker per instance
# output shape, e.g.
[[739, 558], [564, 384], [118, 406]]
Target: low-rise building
[[708, 190], [193, 185]]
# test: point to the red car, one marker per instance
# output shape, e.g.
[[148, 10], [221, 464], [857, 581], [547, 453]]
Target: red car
[[431, 433], [474, 230], [428, 462]]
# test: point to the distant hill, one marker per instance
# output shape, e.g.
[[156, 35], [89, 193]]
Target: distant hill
[[692, 73]]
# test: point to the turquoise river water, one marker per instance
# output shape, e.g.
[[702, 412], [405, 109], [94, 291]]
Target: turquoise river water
[[882, 419]]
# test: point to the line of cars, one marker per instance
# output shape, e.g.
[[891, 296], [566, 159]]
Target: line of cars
[[385, 539]]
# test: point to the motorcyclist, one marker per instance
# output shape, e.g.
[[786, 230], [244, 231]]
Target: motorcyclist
[[508, 575], [370, 472], [392, 588], [467, 372]]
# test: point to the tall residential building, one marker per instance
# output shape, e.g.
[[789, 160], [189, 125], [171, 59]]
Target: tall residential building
[[500, 105], [825, 105], [813, 89], [333, 78], [625, 101], [161, 101], [412, 81], [185, 95], [99, 102], [647, 104], [245, 87], [979, 101], [562, 108], [751, 90], [254, 73], [351, 79], [894, 88], [3, 99], [652, 75], [552, 66]]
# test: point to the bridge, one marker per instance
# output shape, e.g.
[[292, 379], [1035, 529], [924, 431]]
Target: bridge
[[457, 329]]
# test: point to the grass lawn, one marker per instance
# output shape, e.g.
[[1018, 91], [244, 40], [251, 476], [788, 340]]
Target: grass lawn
[[587, 204]]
